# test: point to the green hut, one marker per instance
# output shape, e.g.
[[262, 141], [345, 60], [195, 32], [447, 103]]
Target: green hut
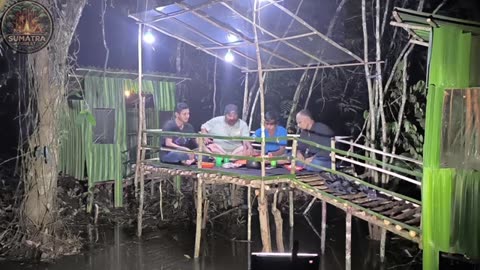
[[451, 176], [101, 122]]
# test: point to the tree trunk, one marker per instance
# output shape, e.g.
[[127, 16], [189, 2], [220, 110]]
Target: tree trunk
[[47, 72]]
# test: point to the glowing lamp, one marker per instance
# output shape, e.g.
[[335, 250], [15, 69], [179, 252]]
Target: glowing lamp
[[148, 37], [229, 56], [127, 93]]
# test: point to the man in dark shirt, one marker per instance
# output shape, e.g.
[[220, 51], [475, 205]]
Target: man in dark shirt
[[179, 124], [315, 132]]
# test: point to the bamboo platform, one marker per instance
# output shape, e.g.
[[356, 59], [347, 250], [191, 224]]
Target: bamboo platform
[[397, 215]]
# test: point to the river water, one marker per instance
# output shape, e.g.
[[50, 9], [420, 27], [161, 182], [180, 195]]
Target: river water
[[118, 248]]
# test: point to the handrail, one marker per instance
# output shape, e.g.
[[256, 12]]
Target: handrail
[[340, 155], [347, 153], [379, 151]]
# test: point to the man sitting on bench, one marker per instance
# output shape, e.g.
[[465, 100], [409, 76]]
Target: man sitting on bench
[[317, 133], [272, 130]]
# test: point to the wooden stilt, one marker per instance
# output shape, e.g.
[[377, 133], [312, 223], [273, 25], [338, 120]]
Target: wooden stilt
[[324, 226], [178, 184], [264, 223], [383, 240], [290, 202], [198, 233], [348, 241], [278, 224], [249, 218], [205, 213], [161, 200], [141, 201]]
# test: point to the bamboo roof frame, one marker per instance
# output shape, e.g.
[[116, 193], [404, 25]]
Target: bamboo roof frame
[[292, 43], [419, 24]]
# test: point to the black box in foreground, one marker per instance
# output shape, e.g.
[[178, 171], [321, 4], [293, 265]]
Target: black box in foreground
[[284, 261]]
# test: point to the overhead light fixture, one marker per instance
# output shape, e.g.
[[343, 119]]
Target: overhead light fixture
[[148, 37], [232, 38], [159, 9], [229, 56], [127, 93]]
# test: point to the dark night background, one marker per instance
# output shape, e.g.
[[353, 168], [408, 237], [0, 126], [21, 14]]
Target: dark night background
[[121, 38]]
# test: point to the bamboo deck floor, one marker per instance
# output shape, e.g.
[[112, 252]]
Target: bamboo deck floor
[[399, 216]]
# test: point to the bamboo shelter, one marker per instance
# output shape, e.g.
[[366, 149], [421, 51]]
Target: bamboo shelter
[[100, 121], [238, 32], [451, 178]]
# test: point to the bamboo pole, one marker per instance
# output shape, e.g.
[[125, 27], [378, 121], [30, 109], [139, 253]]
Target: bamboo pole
[[290, 207], [383, 240], [324, 226], [245, 98], [262, 202], [309, 206], [348, 241], [249, 218], [139, 135], [278, 224], [198, 232], [205, 213], [332, 154], [161, 200], [141, 171]]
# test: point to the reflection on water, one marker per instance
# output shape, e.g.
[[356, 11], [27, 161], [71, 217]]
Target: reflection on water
[[117, 248]]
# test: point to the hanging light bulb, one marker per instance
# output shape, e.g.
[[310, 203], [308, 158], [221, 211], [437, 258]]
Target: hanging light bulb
[[148, 37], [127, 93], [229, 56], [232, 38]]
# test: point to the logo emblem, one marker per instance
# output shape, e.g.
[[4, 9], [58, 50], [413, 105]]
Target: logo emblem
[[27, 27]]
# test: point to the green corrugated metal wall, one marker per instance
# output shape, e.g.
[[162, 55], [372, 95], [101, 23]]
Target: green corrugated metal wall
[[72, 152], [449, 195], [106, 162]]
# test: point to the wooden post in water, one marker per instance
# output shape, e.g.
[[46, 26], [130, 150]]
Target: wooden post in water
[[290, 192], [383, 240], [278, 224], [198, 232], [262, 201], [323, 234], [290, 207], [348, 241], [249, 218]]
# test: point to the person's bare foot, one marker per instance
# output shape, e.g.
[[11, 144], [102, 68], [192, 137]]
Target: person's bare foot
[[189, 162]]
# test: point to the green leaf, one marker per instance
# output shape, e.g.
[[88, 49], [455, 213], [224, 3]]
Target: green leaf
[[88, 116]]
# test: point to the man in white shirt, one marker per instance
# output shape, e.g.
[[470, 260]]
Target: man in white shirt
[[228, 125]]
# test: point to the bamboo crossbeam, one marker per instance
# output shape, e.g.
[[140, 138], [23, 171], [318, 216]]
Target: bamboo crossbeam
[[316, 67], [160, 132], [200, 33], [277, 158], [261, 42], [234, 31], [238, 13], [180, 12], [191, 43], [410, 26], [327, 39]]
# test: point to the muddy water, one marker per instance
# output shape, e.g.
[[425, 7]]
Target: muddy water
[[117, 248]]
